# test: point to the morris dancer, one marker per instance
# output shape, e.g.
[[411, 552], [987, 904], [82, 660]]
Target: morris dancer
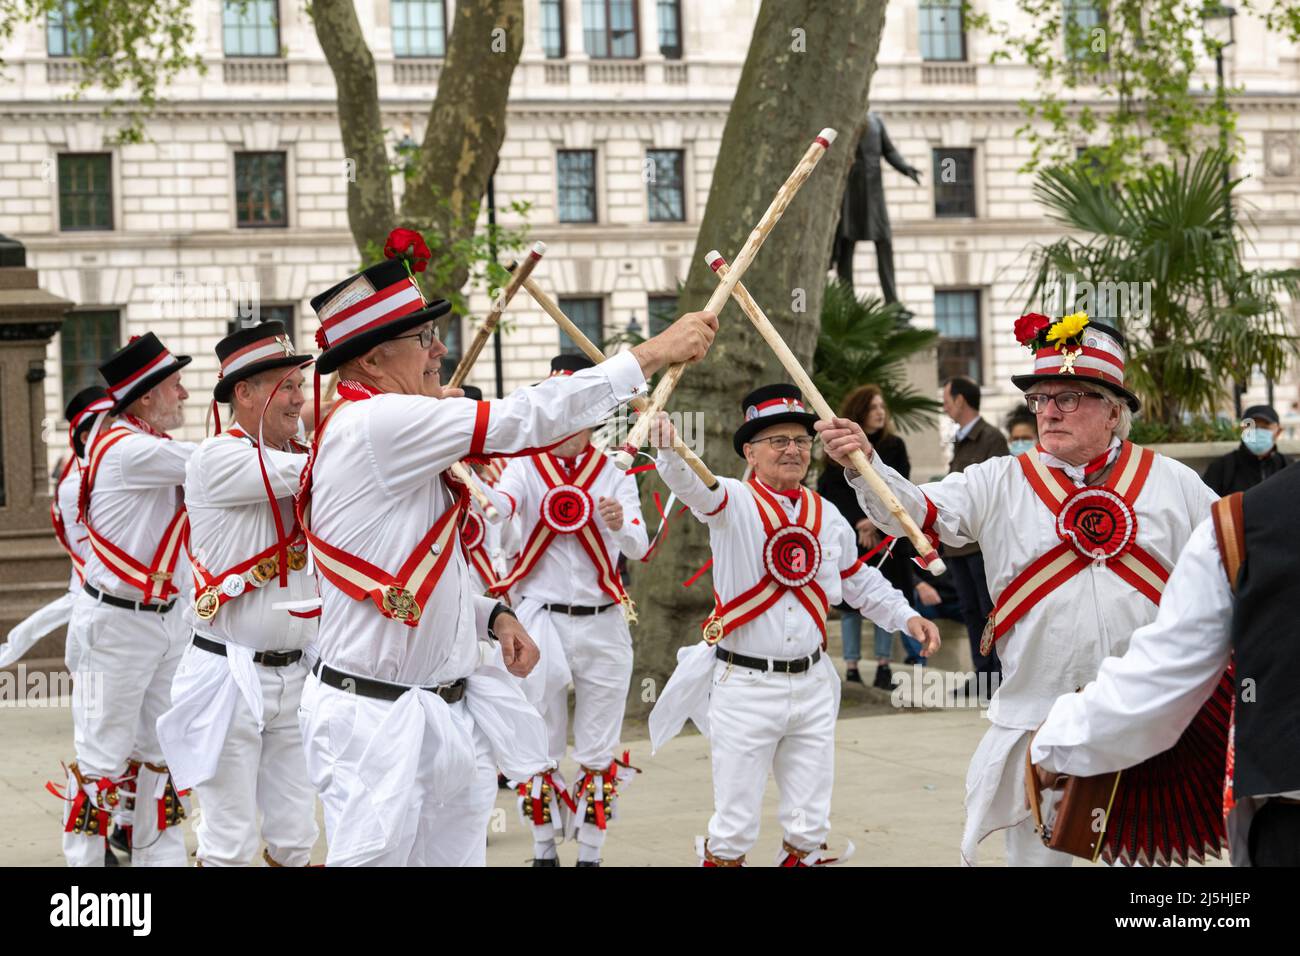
[[576, 513], [1230, 596], [1078, 536], [68, 531], [404, 723], [760, 686], [232, 730], [134, 515]]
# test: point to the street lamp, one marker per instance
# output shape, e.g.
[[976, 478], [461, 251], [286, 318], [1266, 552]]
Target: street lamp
[[1220, 33]]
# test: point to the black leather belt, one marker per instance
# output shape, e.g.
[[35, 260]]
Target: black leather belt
[[763, 663], [382, 689], [575, 610], [124, 604], [266, 658]]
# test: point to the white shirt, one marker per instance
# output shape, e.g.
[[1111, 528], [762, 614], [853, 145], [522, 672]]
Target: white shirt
[[786, 630], [1057, 646], [66, 498], [378, 489], [137, 491], [230, 521], [564, 573]]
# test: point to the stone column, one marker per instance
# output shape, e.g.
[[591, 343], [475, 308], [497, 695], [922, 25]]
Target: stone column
[[33, 568]]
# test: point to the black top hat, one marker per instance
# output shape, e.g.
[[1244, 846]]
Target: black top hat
[[569, 362], [81, 412], [373, 306], [473, 391], [137, 367], [771, 405], [258, 348], [1097, 353]]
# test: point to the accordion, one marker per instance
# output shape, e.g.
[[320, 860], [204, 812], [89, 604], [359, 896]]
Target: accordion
[[1164, 811]]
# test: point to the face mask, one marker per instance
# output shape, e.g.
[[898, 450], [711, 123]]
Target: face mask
[[1258, 440], [1022, 445]]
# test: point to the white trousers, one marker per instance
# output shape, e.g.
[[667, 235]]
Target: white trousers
[[337, 729], [260, 774], [783, 724], [123, 682]]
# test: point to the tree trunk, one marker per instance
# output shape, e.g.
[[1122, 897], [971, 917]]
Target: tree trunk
[[467, 123], [371, 213], [809, 66]]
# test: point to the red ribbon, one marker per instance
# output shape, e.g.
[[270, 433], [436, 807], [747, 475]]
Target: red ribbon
[[696, 576]]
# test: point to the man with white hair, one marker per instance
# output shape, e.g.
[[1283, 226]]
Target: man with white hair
[[406, 717], [1079, 537]]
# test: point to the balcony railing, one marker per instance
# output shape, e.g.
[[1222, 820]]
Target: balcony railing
[[416, 72], [252, 71], [948, 74]]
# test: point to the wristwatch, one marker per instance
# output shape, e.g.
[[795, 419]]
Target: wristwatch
[[492, 619]]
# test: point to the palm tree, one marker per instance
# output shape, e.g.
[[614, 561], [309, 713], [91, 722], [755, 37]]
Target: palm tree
[[865, 341], [1205, 320]]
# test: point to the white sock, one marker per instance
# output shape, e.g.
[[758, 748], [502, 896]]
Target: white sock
[[544, 850], [588, 854]]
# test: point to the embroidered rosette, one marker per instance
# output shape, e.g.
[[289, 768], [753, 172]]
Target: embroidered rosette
[[566, 509], [792, 556], [1097, 523]]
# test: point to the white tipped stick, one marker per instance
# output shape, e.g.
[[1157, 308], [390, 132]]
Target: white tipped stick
[[538, 250], [828, 136]]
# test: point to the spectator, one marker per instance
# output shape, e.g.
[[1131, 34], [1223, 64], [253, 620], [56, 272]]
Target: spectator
[[976, 441], [866, 406], [1255, 459], [1022, 430]]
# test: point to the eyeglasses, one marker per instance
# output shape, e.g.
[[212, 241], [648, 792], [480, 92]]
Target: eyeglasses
[[426, 336], [1065, 401], [782, 442]]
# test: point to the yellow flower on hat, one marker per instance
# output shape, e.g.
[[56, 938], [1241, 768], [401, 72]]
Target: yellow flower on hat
[[1066, 329]]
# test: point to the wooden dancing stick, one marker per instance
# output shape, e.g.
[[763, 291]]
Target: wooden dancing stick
[[589, 349], [928, 555], [463, 473], [637, 437], [489, 324]]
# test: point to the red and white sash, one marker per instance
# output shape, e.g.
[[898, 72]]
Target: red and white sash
[[473, 541], [154, 581], [212, 591], [401, 596], [60, 529], [567, 508], [1096, 524], [792, 555]]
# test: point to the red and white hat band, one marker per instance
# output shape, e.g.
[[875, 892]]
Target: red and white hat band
[[94, 408], [259, 351], [774, 406], [119, 389], [399, 299], [1087, 361]]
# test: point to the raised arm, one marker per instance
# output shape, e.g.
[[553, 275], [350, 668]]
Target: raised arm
[[709, 506]]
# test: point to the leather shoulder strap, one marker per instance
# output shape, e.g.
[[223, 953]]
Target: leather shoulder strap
[[1230, 534]]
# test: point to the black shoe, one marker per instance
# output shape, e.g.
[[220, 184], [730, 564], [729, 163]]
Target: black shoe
[[551, 862], [851, 676], [966, 691], [587, 863], [110, 859], [118, 840], [884, 678]]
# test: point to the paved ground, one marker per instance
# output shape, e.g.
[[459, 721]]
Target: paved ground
[[898, 792]]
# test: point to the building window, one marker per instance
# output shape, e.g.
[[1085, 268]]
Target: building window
[[451, 339], [85, 191], [943, 33], [261, 189], [665, 193], [957, 320], [609, 29], [419, 28], [63, 35], [670, 29], [588, 315], [1082, 20], [662, 310], [553, 29], [954, 182], [251, 28], [577, 179], [258, 313], [86, 340]]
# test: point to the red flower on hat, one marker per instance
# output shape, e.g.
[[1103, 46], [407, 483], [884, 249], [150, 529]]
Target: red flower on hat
[[1029, 326], [408, 244], [321, 341]]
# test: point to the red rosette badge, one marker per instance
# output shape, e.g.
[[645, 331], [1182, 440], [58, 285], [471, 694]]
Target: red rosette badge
[[566, 508], [472, 530], [792, 556], [1097, 523]]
